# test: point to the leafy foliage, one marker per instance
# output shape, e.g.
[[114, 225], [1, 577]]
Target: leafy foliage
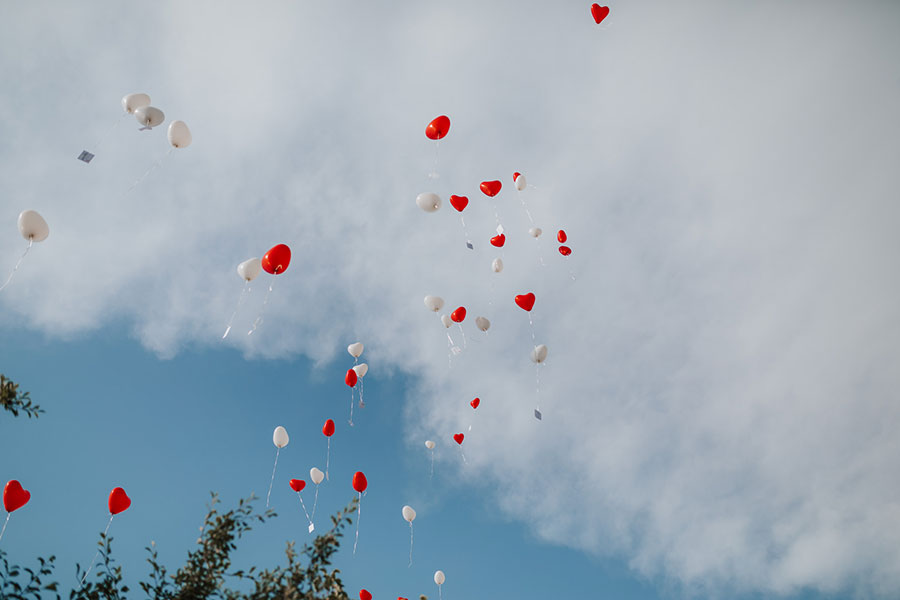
[[306, 576], [13, 401]]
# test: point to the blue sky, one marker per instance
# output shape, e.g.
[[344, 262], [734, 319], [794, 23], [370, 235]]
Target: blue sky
[[719, 396]]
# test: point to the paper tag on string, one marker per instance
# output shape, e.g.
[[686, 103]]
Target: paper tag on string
[[470, 246], [456, 349], [537, 414], [312, 527], [85, 156]]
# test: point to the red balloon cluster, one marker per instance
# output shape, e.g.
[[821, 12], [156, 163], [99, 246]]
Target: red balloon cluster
[[599, 12], [277, 259], [359, 482], [438, 128], [15, 496], [118, 501]]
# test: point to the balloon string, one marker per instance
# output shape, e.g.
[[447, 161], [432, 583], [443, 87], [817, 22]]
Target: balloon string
[[327, 458], [155, 165], [315, 502], [96, 554], [351, 406], [466, 232], [362, 403], [277, 450], [262, 310], [571, 272], [237, 308], [434, 173], [465, 343], [358, 515], [21, 258], [410, 544], [440, 593], [103, 137], [537, 386], [432, 464], [463, 454], [2, 531], [541, 254], [527, 212], [304, 508], [531, 323]]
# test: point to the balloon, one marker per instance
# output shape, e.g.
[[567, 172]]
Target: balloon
[[356, 349], [458, 438], [497, 265], [409, 513], [561, 236], [519, 180], [438, 128], [459, 315], [565, 250], [482, 323], [434, 303], [525, 301], [498, 240], [328, 428], [118, 501], [316, 475], [365, 595], [132, 102], [351, 377], [429, 444], [297, 484], [599, 12], [535, 232], [459, 202], [361, 370], [277, 259], [359, 482], [280, 437], [15, 496], [428, 201], [249, 269], [439, 577], [491, 188], [179, 135], [149, 116], [446, 321], [474, 403], [32, 226], [539, 354]]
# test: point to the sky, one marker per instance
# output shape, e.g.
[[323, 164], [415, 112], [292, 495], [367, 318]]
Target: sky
[[719, 395]]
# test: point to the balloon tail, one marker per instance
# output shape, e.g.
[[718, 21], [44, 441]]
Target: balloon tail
[[463, 455], [432, 464], [277, 450], [537, 389], [305, 513], [531, 323], [262, 310], [410, 544], [434, 174], [362, 403], [327, 458], [236, 308], [465, 343], [153, 167], [97, 553], [351, 407], [358, 515], [16, 268], [527, 212], [2, 531], [109, 131], [315, 501], [440, 593]]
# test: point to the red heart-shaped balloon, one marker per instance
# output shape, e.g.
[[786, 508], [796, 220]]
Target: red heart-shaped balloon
[[365, 595], [438, 128], [599, 12], [491, 188], [359, 482], [565, 250], [459, 202], [458, 438], [277, 259], [297, 484], [458, 315], [15, 496], [516, 176], [328, 427], [525, 301], [402, 598], [350, 378], [561, 236], [498, 240], [475, 402], [118, 501]]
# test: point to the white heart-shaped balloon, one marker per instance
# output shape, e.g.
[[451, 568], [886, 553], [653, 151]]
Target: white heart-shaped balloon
[[249, 269], [32, 226], [355, 349]]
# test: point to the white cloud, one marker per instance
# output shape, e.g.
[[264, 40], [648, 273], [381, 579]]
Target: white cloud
[[719, 397]]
